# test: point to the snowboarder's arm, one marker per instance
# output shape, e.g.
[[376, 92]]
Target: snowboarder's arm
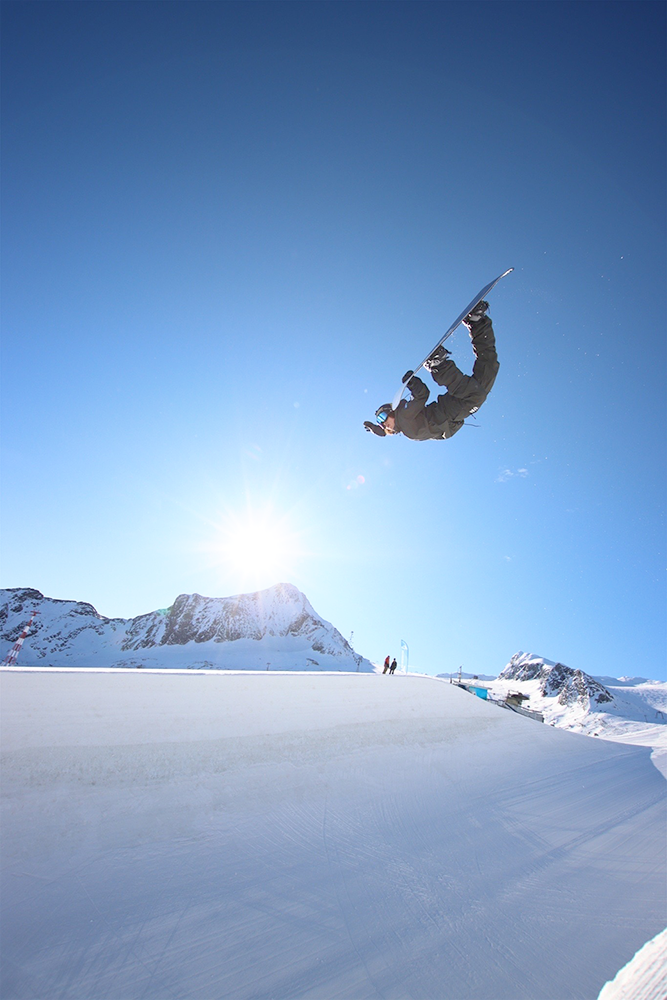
[[375, 428], [420, 392]]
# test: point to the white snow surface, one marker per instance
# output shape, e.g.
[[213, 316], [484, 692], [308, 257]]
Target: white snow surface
[[333, 836], [645, 975]]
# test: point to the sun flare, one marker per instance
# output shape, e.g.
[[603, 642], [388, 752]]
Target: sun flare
[[258, 548]]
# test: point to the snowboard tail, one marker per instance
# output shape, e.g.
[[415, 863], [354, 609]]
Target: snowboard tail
[[457, 322]]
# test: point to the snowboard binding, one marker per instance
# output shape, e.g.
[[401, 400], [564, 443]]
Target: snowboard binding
[[476, 314], [439, 356]]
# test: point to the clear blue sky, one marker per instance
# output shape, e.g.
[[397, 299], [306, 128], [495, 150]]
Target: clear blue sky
[[229, 228]]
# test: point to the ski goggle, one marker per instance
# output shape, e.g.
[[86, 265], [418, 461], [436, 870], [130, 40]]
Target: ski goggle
[[382, 413]]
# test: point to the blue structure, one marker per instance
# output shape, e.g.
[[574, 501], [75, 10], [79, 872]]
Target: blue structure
[[477, 689]]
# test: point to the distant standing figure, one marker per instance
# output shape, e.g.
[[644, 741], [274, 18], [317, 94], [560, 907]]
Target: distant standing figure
[[386, 666], [393, 666]]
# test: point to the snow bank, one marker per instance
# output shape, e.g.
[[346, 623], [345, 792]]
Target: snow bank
[[644, 977], [197, 835]]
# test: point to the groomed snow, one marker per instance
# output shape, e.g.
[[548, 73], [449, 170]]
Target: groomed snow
[[208, 835]]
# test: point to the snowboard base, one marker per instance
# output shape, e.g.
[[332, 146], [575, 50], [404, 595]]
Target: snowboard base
[[457, 322]]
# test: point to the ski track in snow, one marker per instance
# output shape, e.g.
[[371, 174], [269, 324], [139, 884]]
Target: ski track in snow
[[330, 837]]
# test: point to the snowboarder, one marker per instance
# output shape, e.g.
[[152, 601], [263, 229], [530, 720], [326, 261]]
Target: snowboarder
[[465, 393], [393, 666], [386, 665]]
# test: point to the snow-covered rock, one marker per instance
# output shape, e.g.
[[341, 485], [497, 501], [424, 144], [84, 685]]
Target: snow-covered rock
[[569, 686], [270, 629], [526, 667]]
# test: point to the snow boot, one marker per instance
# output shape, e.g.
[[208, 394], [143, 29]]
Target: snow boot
[[476, 314], [438, 358]]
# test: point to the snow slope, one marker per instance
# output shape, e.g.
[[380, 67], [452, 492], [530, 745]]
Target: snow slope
[[338, 836], [628, 710], [273, 629]]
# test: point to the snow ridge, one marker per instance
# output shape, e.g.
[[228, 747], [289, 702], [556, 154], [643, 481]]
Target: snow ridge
[[274, 628]]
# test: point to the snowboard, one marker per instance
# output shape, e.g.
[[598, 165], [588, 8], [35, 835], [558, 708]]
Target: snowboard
[[457, 322]]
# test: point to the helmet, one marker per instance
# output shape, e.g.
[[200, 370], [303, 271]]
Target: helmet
[[383, 412]]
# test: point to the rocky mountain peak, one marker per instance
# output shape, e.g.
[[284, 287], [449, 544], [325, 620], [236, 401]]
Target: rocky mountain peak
[[275, 627], [557, 680]]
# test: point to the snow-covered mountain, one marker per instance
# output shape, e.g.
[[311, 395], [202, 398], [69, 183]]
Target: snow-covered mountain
[[274, 629], [462, 675], [569, 687], [625, 710]]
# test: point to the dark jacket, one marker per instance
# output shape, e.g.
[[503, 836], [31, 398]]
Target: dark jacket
[[421, 422]]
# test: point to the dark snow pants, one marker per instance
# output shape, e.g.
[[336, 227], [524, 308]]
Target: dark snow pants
[[466, 393]]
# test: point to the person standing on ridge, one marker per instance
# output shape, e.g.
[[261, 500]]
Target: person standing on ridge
[[386, 666], [465, 393], [393, 666]]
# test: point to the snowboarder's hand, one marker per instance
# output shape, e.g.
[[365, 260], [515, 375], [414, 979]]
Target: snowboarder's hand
[[375, 428], [407, 377]]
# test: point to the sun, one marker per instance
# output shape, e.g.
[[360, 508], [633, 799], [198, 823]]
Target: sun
[[258, 548]]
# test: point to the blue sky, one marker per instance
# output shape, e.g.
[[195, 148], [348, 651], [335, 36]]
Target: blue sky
[[229, 228]]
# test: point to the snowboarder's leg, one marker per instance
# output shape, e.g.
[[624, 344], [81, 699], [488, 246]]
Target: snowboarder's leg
[[486, 364], [452, 409], [464, 394], [449, 375]]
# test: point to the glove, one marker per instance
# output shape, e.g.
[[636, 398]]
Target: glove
[[375, 428], [407, 377]]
